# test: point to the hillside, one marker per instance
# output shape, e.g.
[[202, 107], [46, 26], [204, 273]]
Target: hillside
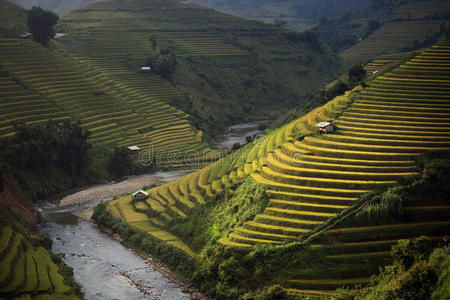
[[296, 185], [227, 69], [368, 28], [13, 19], [412, 25], [297, 15], [28, 270], [57, 6], [39, 84]]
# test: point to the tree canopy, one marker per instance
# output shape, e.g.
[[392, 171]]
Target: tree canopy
[[41, 24]]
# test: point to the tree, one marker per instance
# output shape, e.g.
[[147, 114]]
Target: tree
[[356, 74], [163, 64], [41, 24], [121, 163]]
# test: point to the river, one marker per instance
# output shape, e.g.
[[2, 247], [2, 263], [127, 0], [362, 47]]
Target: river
[[237, 134], [103, 267]]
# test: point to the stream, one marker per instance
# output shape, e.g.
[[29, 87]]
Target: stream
[[103, 267], [237, 134]]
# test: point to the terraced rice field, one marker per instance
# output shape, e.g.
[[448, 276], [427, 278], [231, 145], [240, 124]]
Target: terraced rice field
[[391, 37], [27, 272], [421, 9], [381, 128], [117, 106]]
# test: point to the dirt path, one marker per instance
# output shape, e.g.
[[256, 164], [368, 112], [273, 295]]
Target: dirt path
[[110, 190]]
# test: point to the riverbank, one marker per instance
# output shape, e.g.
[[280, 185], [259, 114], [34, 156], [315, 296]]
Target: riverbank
[[115, 189], [109, 191], [156, 265]]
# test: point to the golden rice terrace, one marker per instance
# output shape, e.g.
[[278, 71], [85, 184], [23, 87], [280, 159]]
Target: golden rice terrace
[[312, 178]]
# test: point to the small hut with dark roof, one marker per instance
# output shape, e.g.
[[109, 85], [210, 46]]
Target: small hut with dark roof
[[139, 196]]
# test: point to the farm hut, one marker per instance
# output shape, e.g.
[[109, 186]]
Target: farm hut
[[139, 196], [133, 148], [146, 69], [325, 127]]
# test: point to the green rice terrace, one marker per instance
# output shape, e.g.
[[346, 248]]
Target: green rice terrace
[[312, 180], [92, 75], [260, 65], [28, 272], [38, 85], [410, 25]]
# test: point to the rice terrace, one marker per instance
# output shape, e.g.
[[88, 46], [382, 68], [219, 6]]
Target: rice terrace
[[250, 150]]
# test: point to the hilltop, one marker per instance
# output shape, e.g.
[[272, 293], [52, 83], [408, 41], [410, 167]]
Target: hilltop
[[360, 30], [311, 212], [227, 69], [297, 15], [57, 6]]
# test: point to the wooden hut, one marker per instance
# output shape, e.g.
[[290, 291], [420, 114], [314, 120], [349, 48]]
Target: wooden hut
[[326, 127], [139, 196]]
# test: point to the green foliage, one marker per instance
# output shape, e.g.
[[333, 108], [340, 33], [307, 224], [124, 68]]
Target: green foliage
[[13, 20], [440, 259], [317, 98], [175, 258], [41, 24], [408, 252], [121, 163], [356, 74], [390, 203], [219, 216], [275, 292], [416, 273], [47, 158], [163, 64]]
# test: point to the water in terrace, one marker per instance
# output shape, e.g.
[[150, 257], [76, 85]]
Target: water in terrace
[[103, 267]]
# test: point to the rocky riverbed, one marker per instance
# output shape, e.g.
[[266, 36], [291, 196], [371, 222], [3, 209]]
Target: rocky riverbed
[[114, 189]]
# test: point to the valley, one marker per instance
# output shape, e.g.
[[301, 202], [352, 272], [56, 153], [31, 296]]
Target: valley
[[166, 150]]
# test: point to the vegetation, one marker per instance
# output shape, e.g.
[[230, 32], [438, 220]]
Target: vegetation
[[57, 6], [417, 271], [103, 105], [315, 211], [47, 158], [13, 20], [41, 24], [258, 63], [28, 268], [50, 158]]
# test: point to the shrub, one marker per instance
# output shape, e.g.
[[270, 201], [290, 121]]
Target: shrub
[[41, 24]]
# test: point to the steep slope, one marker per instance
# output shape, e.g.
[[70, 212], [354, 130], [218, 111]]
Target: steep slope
[[40, 84], [412, 25], [28, 272], [13, 19], [227, 68], [314, 181]]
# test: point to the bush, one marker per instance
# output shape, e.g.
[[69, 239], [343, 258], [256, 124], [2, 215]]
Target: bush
[[41, 24]]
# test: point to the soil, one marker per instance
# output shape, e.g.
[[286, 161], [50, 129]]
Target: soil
[[16, 200]]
